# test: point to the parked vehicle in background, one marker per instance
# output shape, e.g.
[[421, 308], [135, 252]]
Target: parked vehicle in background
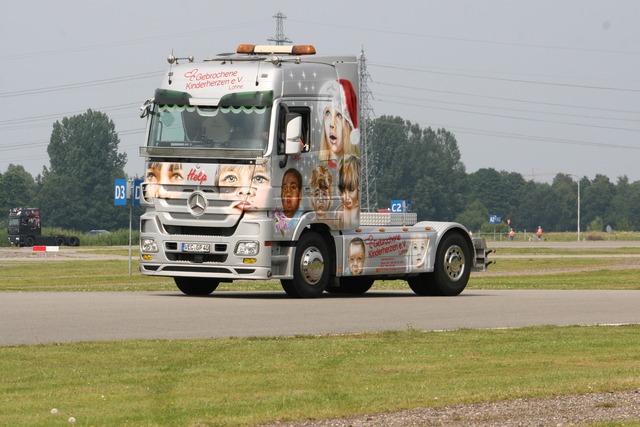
[[25, 230], [97, 232]]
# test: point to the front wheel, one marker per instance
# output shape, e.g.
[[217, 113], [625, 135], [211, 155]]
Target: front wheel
[[451, 270], [196, 286], [310, 268]]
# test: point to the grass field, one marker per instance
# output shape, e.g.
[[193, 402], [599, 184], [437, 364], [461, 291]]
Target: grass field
[[240, 382], [112, 275], [247, 381]]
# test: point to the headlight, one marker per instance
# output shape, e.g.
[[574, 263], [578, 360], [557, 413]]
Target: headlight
[[247, 248], [148, 245]]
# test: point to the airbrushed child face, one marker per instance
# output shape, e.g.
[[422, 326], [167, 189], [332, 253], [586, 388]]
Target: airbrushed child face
[[334, 123], [356, 259], [419, 253], [161, 174], [247, 185], [350, 198], [291, 189], [321, 200]]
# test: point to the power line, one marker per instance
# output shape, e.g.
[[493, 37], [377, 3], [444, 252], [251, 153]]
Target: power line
[[542, 139], [81, 85], [482, 132], [506, 80], [155, 38], [458, 39], [447, 92], [511, 117], [53, 116], [512, 109]]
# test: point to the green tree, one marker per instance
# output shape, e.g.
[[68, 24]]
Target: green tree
[[474, 215], [501, 192], [565, 190], [421, 165], [17, 188], [597, 225], [597, 200], [625, 207], [77, 190], [537, 207]]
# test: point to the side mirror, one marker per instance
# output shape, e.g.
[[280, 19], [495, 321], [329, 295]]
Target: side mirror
[[292, 138], [145, 108]]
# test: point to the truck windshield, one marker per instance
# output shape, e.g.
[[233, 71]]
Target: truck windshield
[[211, 127], [14, 222]]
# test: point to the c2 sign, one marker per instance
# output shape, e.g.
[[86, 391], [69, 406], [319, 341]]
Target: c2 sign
[[396, 206]]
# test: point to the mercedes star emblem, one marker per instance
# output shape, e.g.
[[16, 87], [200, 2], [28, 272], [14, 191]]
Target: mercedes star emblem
[[197, 203]]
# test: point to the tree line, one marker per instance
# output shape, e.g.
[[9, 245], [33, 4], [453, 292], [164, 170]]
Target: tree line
[[411, 163], [424, 166], [76, 191]]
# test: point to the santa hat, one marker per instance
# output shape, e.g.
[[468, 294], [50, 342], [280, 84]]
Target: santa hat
[[350, 102]]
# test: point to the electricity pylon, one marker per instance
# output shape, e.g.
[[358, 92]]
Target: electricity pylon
[[280, 39], [368, 197]]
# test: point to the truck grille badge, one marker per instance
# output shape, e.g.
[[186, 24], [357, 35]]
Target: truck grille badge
[[197, 203]]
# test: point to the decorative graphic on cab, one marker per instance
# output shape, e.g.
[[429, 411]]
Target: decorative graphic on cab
[[395, 253], [246, 187]]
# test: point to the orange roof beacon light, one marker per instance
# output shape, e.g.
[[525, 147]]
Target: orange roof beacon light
[[245, 48], [305, 49]]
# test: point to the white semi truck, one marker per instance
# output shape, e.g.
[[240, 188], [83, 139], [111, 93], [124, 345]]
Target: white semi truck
[[253, 173]]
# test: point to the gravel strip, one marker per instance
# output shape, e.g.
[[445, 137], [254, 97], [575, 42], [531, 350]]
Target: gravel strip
[[556, 411]]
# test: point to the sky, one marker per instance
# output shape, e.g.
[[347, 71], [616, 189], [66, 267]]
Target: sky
[[534, 87]]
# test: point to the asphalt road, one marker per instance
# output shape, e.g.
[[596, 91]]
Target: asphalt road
[[44, 317]]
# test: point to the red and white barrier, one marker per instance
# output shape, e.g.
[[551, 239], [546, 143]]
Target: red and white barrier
[[46, 248]]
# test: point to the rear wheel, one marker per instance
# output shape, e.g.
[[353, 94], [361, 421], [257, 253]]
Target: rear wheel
[[196, 286], [59, 240], [73, 241], [310, 267], [451, 270]]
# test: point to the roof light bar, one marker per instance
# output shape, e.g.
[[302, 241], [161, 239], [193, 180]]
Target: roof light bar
[[291, 50]]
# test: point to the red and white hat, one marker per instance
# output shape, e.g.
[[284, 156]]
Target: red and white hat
[[344, 93]]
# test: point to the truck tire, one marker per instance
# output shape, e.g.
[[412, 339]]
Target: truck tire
[[310, 268], [196, 286], [59, 240], [352, 285], [73, 241], [451, 270], [29, 241]]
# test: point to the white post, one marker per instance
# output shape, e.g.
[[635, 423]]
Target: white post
[[578, 179], [578, 209], [130, 215]]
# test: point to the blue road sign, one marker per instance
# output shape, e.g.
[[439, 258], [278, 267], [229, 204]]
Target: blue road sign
[[120, 192], [401, 206], [137, 188]]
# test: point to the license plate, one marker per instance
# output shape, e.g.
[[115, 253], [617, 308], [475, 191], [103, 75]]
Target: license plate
[[196, 247]]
